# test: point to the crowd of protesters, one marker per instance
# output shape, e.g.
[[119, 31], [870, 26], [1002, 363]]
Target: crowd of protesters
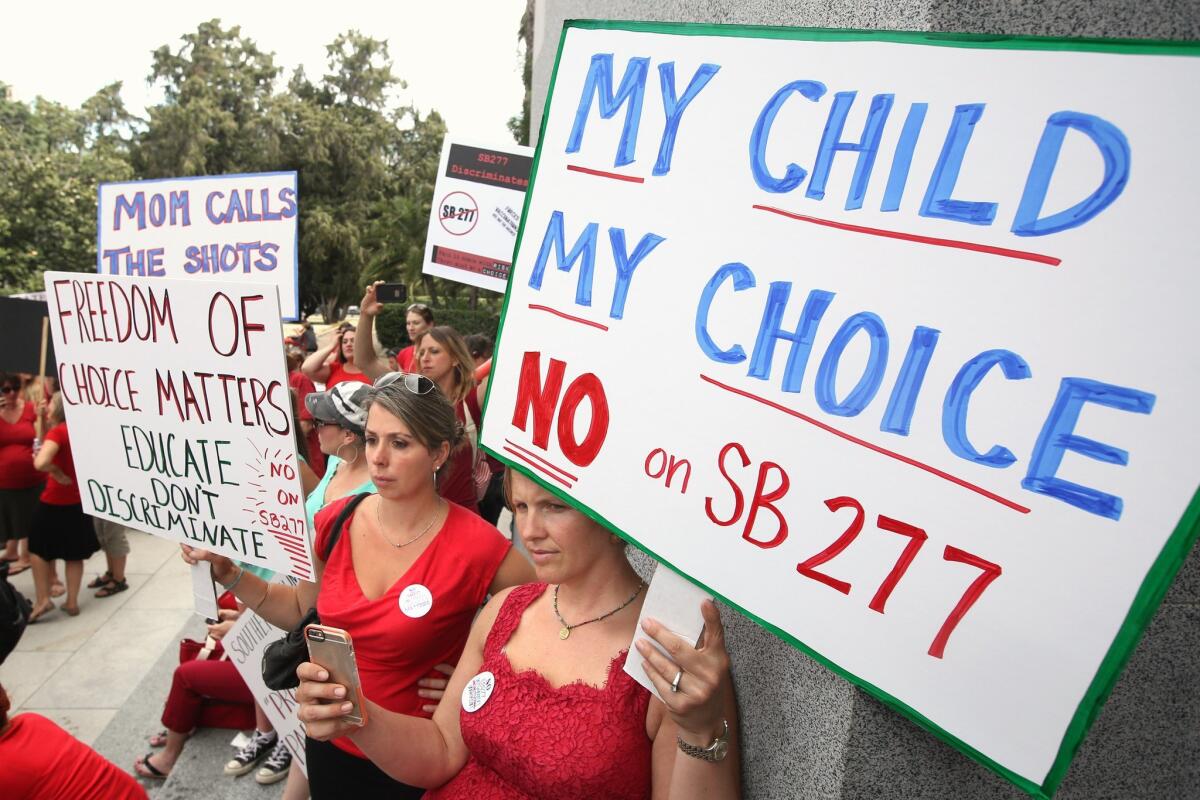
[[487, 670]]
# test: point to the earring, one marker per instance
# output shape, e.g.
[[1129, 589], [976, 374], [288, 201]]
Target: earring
[[342, 458]]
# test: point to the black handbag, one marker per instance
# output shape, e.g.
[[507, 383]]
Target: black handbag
[[282, 657]]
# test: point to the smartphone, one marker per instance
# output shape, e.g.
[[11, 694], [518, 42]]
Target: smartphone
[[333, 649], [391, 293]]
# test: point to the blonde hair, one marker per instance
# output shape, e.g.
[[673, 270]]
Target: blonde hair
[[464, 365]]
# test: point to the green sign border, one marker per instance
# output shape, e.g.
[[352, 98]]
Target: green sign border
[[1177, 547]]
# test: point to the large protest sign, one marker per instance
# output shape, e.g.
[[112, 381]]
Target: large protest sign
[[179, 410], [476, 212], [226, 229], [884, 338], [245, 644]]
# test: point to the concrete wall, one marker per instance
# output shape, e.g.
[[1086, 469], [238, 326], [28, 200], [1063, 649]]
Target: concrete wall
[[810, 734]]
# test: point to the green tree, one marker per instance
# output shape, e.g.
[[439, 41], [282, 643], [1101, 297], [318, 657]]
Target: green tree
[[216, 117], [52, 158]]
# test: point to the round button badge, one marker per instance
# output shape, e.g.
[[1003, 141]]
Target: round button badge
[[415, 601], [477, 691]]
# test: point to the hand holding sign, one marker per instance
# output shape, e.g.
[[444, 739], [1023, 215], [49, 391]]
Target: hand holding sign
[[810, 340]]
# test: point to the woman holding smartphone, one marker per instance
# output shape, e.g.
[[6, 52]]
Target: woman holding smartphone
[[404, 578], [539, 705]]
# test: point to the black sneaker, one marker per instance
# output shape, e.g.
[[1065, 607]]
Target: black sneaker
[[275, 768], [254, 751]]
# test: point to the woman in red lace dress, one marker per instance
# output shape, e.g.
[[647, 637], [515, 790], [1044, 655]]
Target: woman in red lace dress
[[539, 706]]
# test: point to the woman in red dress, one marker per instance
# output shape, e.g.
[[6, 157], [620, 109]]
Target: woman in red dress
[[20, 483], [539, 705], [405, 577]]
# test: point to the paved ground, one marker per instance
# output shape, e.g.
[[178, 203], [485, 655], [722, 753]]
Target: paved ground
[[104, 674]]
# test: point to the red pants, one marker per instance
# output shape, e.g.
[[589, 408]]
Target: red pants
[[208, 694]]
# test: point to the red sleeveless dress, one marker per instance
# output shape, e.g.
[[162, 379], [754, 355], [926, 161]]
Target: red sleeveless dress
[[530, 740]]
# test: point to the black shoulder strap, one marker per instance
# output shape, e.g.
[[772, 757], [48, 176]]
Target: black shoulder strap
[[338, 523]]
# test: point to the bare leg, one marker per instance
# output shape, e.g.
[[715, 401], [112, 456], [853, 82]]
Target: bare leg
[[262, 722], [165, 759], [116, 567], [23, 552], [41, 586], [297, 785], [74, 580]]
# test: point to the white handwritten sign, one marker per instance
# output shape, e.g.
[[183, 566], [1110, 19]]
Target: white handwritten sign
[[225, 229], [177, 401], [245, 643], [887, 339]]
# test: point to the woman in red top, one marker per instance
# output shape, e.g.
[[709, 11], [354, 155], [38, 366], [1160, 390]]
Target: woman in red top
[[404, 578], [60, 528], [334, 363], [20, 483], [41, 761], [442, 356], [539, 705]]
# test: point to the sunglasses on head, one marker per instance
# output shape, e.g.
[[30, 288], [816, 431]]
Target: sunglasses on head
[[7, 389], [413, 382], [324, 423]]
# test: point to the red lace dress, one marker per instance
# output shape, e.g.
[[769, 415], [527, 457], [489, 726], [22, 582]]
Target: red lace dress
[[530, 740]]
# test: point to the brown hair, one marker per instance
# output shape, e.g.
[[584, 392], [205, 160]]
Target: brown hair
[[464, 365], [5, 704], [421, 310], [295, 357], [428, 415]]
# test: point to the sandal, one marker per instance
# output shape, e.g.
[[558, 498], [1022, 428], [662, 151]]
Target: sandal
[[16, 568], [71, 612], [41, 611], [112, 587], [100, 580], [145, 769]]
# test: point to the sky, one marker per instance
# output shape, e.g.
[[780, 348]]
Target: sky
[[461, 59]]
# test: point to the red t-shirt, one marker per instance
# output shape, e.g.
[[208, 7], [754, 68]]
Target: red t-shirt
[[41, 761], [16, 452], [55, 493], [302, 384], [338, 374], [395, 650], [404, 359]]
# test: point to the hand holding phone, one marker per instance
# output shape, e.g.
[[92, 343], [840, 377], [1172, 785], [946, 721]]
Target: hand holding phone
[[333, 650], [391, 293]]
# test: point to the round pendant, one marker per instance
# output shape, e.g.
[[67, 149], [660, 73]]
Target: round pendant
[[563, 633]]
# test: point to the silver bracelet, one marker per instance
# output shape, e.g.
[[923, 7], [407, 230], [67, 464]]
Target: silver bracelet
[[241, 572]]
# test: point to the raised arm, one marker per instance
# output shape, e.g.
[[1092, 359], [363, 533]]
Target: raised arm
[[413, 750], [366, 357], [315, 366]]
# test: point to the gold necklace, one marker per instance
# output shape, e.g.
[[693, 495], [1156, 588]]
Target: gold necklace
[[566, 629], [425, 530]]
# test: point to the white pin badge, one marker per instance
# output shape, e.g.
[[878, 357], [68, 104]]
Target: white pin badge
[[415, 601], [477, 691]]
